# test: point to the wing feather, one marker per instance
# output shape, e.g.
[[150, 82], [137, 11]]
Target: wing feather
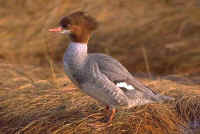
[[116, 72], [102, 88]]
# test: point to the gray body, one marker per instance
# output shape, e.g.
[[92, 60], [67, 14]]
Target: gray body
[[97, 75]]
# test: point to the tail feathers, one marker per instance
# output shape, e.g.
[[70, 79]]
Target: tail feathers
[[146, 93], [138, 98], [162, 98]]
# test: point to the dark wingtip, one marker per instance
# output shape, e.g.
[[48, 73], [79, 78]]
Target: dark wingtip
[[166, 98]]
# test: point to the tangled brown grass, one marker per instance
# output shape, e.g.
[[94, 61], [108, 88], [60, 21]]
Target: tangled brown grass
[[44, 108]]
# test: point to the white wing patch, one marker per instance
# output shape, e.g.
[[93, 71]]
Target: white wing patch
[[125, 85]]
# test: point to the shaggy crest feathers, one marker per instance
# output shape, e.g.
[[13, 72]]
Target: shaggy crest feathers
[[80, 19], [81, 26]]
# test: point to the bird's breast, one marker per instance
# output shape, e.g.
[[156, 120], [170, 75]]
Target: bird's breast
[[69, 73], [76, 75]]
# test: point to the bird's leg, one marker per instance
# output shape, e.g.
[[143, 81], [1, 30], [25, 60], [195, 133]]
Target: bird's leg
[[106, 110], [107, 107], [112, 115]]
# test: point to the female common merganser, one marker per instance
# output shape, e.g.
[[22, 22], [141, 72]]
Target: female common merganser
[[98, 75]]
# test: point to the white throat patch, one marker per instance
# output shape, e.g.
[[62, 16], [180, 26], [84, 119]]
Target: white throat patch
[[125, 85], [65, 31]]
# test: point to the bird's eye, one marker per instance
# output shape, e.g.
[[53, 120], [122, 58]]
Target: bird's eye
[[64, 25]]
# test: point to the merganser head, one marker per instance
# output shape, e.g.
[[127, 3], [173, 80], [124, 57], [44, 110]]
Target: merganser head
[[78, 26]]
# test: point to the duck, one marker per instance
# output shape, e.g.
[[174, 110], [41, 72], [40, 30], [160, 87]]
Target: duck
[[99, 75]]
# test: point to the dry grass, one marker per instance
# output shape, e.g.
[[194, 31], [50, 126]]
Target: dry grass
[[42, 100], [34, 105], [188, 107]]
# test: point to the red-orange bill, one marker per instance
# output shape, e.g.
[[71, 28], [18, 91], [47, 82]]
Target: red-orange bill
[[58, 29]]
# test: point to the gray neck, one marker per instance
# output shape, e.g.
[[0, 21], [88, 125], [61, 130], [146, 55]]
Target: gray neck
[[76, 53]]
